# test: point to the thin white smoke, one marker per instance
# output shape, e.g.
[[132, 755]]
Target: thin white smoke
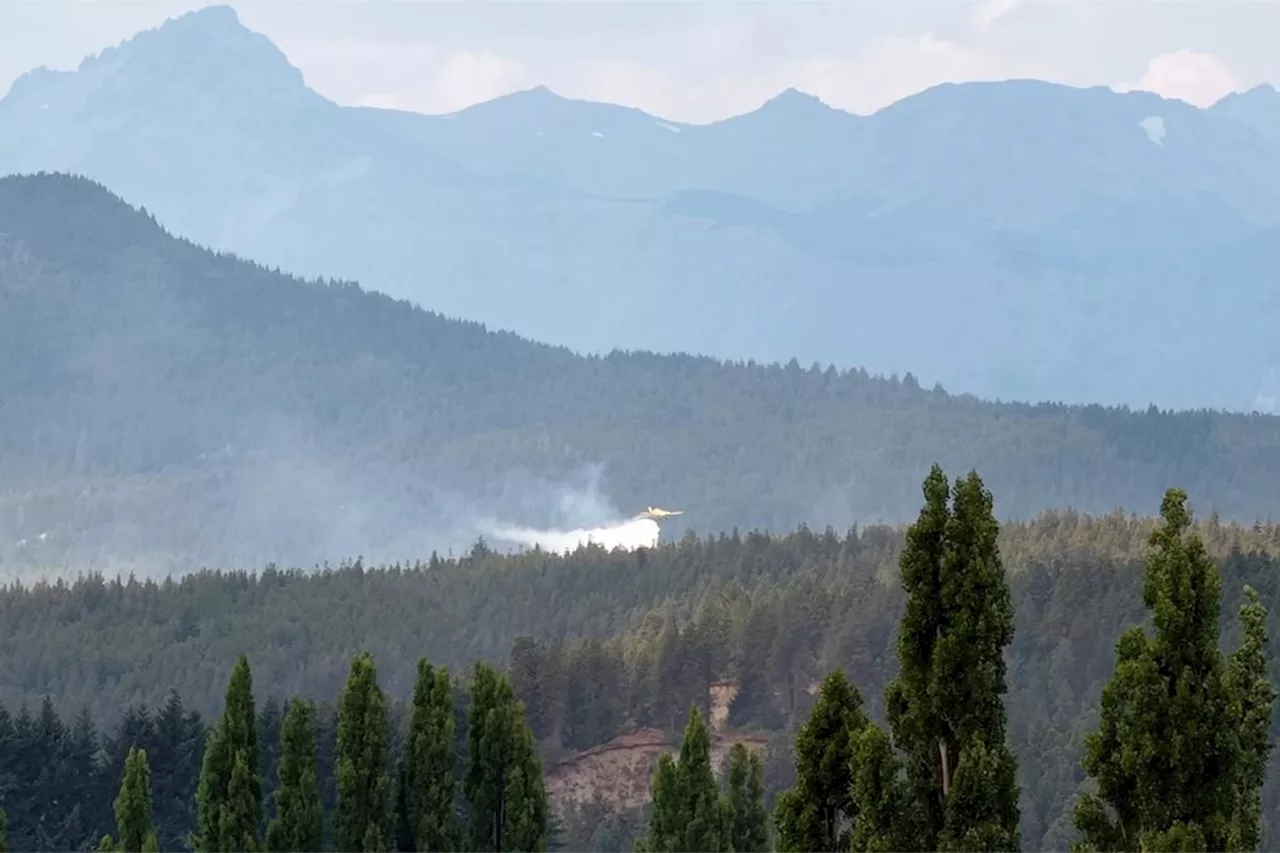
[[628, 535]]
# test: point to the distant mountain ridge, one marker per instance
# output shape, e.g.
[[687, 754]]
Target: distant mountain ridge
[[1018, 240]]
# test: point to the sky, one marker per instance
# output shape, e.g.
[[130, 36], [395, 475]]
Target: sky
[[698, 60]]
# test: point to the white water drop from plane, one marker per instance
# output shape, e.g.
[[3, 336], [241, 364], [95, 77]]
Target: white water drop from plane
[[628, 535]]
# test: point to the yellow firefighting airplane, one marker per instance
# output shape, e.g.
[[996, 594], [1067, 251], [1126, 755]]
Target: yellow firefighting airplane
[[657, 514]]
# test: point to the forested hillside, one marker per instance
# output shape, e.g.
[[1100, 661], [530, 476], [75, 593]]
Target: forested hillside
[[598, 644], [163, 407], [1014, 239]]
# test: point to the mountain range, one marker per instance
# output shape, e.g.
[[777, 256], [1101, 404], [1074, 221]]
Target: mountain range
[[1016, 240], [164, 407]]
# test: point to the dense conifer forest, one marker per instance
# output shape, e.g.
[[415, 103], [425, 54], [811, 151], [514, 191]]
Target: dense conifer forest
[[597, 644], [285, 777], [164, 408]]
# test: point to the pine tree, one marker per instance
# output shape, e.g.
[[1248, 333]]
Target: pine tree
[[748, 819], [1181, 747], [529, 685], [688, 813], [362, 823], [299, 822], [814, 816], [754, 702], [507, 804], [135, 823], [175, 749], [428, 763], [704, 827], [666, 818], [229, 794], [4, 826], [913, 717], [84, 774], [270, 747], [946, 706]]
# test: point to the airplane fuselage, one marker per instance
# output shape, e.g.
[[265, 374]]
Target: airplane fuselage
[[657, 513]]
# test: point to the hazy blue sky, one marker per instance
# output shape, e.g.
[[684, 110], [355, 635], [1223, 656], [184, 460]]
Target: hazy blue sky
[[699, 61]]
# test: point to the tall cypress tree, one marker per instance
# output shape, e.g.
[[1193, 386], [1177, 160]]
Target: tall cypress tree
[[688, 813], [427, 788], [299, 821], [506, 800], [229, 794], [4, 827], [946, 706], [135, 823], [1181, 746], [1252, 698], [914, 718], [666, 818], [748, 819], [704, 824], [363, 822], [881, 799], [815, 815]]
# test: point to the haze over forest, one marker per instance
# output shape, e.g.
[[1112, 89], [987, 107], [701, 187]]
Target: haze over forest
[[168, 408]]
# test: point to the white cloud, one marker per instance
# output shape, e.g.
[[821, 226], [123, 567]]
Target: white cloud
[[896, 67], [1197, 78], [722, 44], [467, 77], [989, 12], [721, 69], [713, 61], [889, 69]]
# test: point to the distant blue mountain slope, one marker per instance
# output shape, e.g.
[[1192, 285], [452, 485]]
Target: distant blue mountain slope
[[1015, 240]]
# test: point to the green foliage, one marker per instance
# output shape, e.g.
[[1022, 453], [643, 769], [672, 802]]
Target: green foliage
[[880, 800], [748, 818], [1181, 748], [703, 815], [428, 764], [135, 824], [914, 715], [815, 815], [667, 814], [298, 824], [946, 708], [688, 813], [4, 827], [982, 808], [506, 801], [229, 796], [1252, 699], [363, 821], [402, 829]]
